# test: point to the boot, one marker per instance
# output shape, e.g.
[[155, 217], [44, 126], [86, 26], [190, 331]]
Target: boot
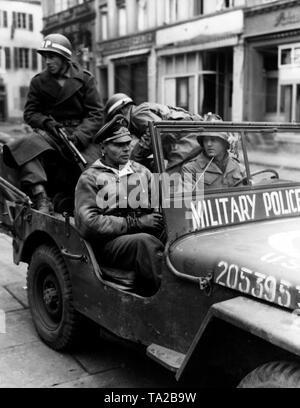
[[42, 203]]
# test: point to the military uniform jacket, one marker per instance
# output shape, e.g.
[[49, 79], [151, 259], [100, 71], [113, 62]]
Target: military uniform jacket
[[103, 199], [140, 115], [213, 177], [77, 105]]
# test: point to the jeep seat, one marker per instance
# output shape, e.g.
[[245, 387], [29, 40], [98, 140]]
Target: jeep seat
[[124, 280]]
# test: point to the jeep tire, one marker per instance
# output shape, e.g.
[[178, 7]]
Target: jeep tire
[[50, 299], [273, 375]]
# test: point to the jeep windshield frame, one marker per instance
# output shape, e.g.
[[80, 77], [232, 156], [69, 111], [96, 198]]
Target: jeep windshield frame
[[261, 188], [157, 129]]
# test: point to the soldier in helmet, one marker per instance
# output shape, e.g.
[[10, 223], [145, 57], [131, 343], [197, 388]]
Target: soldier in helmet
[[138, 117], [62, 95], [214, 166]]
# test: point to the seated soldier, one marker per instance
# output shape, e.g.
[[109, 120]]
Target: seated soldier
[[215, 167], [121, 225]]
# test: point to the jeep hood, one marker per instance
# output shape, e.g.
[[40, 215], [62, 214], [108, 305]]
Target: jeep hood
[[239, 256]]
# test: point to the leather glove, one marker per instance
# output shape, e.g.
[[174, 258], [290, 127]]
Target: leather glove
[[152, 221], [52, 126]]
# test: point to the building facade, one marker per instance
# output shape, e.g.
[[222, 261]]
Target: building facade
[[238, 58], [272, 62], [77, 20], [20, 36]]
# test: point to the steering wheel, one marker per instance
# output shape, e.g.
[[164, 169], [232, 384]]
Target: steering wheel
[[255, 174]]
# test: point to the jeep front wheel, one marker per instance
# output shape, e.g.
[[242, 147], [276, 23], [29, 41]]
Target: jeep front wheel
[[50, 299], [273, 375]]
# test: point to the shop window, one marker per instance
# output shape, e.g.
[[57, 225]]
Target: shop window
[[286, 93], [207, 93], [209, 61], [271, 95], [131, 77], [182, 92], [286, 56], [297, 56]]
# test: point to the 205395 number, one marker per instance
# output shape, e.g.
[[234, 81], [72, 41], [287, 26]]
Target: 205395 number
[[258, 284]]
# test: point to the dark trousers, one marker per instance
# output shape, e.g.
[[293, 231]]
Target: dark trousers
[[50, 170], [141, 253]]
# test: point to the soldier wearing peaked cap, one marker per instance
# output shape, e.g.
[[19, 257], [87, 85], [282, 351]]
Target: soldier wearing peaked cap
[[122, 227], [62, 95]]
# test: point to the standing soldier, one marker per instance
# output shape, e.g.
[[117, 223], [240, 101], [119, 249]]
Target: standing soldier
[[63, 95], [139, 116]]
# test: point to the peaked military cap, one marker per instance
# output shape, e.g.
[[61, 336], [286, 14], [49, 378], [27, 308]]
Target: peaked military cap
[[115, 131]]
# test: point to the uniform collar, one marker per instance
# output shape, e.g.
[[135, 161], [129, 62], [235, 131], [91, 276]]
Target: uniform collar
[[126, 170]]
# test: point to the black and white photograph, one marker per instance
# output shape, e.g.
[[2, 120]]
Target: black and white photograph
[[149, 197]]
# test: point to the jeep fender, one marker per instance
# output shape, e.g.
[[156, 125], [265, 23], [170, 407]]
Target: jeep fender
[[275, 326]]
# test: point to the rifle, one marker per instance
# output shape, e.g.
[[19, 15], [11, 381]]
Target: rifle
[[77, 156]]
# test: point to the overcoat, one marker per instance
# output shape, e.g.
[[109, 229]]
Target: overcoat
[[77, 105], [139, 117]]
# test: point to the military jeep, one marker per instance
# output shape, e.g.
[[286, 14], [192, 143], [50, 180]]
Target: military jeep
[[226, 312]]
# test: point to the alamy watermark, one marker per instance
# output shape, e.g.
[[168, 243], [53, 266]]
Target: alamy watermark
[[139, 191]]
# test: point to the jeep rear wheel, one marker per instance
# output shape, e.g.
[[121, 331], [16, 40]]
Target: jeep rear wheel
[[273, 375], [50, 299]]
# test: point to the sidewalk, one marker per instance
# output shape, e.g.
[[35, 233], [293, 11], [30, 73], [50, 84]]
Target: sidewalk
[[25, 361]]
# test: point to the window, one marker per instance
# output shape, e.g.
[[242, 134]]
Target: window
[[21, 56], [142, 14], [131, 77], [34, 64], [30, 22], [289, 55], [22, 20], [104, 22], [121, 11], [198, 7], [182, 92], [3, 18], [7, 58], [171, 11]]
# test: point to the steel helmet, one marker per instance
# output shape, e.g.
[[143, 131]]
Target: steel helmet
[[57, 43], [115, 103], [222, 135]]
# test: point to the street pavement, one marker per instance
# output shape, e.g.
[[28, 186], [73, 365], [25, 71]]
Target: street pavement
[[26, 362]]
